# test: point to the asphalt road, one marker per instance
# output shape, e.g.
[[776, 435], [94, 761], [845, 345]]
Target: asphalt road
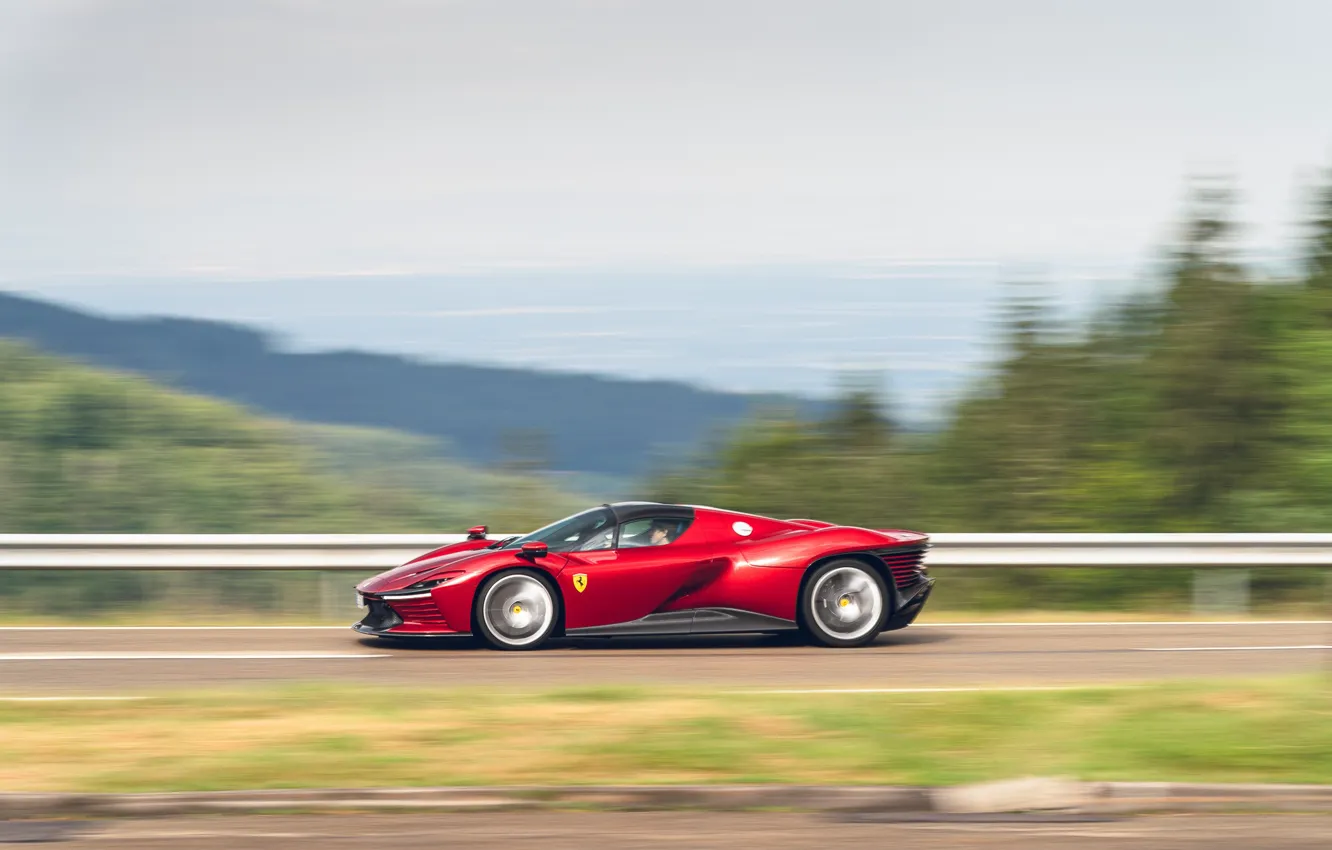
[[38, 661], [649, 830]]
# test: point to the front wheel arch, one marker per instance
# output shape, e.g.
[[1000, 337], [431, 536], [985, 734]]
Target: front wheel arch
[[545, 578]]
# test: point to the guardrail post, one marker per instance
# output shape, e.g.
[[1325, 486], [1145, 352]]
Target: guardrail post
[[1218, 591]]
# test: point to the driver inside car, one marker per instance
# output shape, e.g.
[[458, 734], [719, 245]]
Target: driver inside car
[[661, 533], [635, 534]]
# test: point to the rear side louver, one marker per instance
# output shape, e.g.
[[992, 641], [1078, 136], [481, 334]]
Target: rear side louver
[[905, 564]]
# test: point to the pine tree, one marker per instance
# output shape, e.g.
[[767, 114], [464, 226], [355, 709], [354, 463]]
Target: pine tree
[[1319, 259], [1217, 405], [858, 420], [1026, 316]]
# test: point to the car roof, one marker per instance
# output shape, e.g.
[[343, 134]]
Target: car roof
[[627, 511]]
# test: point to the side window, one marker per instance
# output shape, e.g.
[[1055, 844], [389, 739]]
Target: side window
[[601, 539], [583, 532], [651, 532]]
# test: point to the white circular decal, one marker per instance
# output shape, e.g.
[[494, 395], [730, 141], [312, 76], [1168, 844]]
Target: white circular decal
[[743, 529]]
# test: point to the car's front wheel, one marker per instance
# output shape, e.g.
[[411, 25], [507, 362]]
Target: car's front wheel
[[844, 603], [516, 609]]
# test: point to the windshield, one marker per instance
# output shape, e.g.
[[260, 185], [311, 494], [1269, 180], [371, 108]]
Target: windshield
[[569, 533]]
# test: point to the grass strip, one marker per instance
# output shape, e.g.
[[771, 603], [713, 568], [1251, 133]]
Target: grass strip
[[300, 736]]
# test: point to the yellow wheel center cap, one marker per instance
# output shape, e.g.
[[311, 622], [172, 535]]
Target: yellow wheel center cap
[[517, 609], [844, 601]]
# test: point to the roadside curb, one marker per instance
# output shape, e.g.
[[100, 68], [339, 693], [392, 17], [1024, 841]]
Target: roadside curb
[[1135, 797], [1025, 795]]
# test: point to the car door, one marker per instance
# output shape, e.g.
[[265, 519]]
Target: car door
[[626, 582]]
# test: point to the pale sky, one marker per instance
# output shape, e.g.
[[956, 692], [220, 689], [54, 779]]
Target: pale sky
[[297, 137]]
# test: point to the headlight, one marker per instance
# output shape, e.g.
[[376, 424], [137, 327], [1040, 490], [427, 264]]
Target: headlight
[[435, 581]]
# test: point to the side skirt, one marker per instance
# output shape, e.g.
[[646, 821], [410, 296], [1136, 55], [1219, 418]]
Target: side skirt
[[696, 621]]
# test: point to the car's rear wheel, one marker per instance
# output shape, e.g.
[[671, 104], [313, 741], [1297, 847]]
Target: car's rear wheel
[[844, 603], [516, 609]]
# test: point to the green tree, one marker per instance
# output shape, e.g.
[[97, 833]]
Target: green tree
[[1218, 392], [1319, 250]]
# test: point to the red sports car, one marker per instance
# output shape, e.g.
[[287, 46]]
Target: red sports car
[[644, 568]]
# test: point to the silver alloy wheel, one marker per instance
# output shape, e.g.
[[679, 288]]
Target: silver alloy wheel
[[847, 603], [518, 609]]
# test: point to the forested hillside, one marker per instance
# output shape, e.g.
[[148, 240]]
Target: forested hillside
[[86, 450], [585, 423], [1204, 407]]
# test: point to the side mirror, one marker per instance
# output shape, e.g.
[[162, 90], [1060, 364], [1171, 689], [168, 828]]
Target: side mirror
[[477, 532], [534, 550]]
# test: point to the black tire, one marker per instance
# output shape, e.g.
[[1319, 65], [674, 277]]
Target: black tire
[[515, 610], [844, 603]]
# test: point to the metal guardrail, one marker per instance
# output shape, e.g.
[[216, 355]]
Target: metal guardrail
[[374, 552], [350, 552]]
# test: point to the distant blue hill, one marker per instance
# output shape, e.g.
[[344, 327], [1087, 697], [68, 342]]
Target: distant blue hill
[[591, 423]]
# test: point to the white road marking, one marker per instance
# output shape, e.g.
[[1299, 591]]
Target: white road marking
[[971, 690], [186, 656], [71, 699], [1231, 648], [172, 628]]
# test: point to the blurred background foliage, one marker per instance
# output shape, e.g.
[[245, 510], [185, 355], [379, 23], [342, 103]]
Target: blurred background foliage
[[1203, 404]]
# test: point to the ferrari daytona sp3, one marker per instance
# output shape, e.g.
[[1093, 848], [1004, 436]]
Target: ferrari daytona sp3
[[646, 568]]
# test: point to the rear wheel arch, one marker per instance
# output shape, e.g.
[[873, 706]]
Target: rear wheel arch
[[879, 567]]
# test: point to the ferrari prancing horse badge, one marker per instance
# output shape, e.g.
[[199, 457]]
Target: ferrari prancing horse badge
[[580, 582]]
